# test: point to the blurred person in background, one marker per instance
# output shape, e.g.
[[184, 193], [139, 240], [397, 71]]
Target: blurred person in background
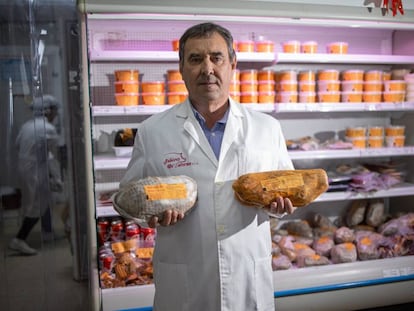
[[39, 171]]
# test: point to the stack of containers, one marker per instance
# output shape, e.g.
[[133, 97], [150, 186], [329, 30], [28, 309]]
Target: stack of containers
[[309, 47], [399, 73], [177, 91], [375, 137], [248, 86], [409, 79], [373, 85], [286, 86], [328, 86], [395, 136], [260, 46], [175, 44], [266, 86], [307, 86], [153, 93], [245, 46], [264, 46], [357, 136], [292, 46], [337, 48], [394, 90], [235, 85], [352, 86], [386, 75], [126, 87]]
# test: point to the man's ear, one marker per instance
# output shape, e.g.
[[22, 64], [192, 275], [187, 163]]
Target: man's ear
[[234, 63], [180, 67]]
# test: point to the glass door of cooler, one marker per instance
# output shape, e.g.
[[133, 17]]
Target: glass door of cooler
[[42, 213]]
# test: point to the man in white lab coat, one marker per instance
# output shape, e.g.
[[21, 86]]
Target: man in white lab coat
[[38, 173], [218, 257]]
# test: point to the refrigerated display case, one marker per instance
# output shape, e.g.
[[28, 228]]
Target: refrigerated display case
[[143, 41]]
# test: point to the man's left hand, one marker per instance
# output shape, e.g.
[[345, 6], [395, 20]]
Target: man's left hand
[[281, 206]]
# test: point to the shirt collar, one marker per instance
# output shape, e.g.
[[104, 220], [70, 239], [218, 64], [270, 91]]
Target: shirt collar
[[200, 118]]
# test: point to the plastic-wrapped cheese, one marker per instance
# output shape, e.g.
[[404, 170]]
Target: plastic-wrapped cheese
[[300, 186], [152, 196]]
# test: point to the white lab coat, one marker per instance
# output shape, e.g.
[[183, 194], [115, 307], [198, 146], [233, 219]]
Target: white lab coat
[[219, 256], [34, 142]]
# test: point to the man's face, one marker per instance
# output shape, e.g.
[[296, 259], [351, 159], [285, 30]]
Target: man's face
[[207, 69], [52, 113]]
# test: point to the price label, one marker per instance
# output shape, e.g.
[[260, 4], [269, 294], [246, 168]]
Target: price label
[[166, 191], [144, 252], [132, 109], [391, 272], [278, 183], [373, 152], [407, 270]]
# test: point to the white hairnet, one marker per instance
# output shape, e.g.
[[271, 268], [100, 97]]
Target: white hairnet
[[44, 104]]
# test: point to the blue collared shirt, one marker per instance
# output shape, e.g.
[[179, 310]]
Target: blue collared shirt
[[216, 133]]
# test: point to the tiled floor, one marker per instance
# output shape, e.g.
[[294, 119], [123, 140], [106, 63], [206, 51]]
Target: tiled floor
[[43, 282]]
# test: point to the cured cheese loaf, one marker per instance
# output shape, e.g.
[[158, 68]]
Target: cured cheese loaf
[[300, 186], [152, 196]]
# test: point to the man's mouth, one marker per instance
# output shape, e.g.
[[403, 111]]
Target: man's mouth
[[207, 83]]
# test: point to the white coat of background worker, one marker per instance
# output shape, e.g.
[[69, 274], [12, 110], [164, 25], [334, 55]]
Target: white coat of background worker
[[38, 171], [218, 257]]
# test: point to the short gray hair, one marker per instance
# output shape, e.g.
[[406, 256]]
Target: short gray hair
[[205, 30]]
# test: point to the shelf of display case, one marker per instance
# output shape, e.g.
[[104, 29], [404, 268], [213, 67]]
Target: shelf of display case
[[383, 270], [167, 56], [103, 111], [107, 186], [334, 277], [138, 298], [351, 153], [255, 57], [108, 110], [343, 276], [130, 55], [404, 189], [325, 58], [344, 107], [110, 161], [105, 211], [298, 58]]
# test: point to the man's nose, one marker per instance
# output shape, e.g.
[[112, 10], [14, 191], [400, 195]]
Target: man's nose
[[207, 67]]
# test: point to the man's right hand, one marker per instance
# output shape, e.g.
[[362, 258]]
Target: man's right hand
[[169, 218]]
